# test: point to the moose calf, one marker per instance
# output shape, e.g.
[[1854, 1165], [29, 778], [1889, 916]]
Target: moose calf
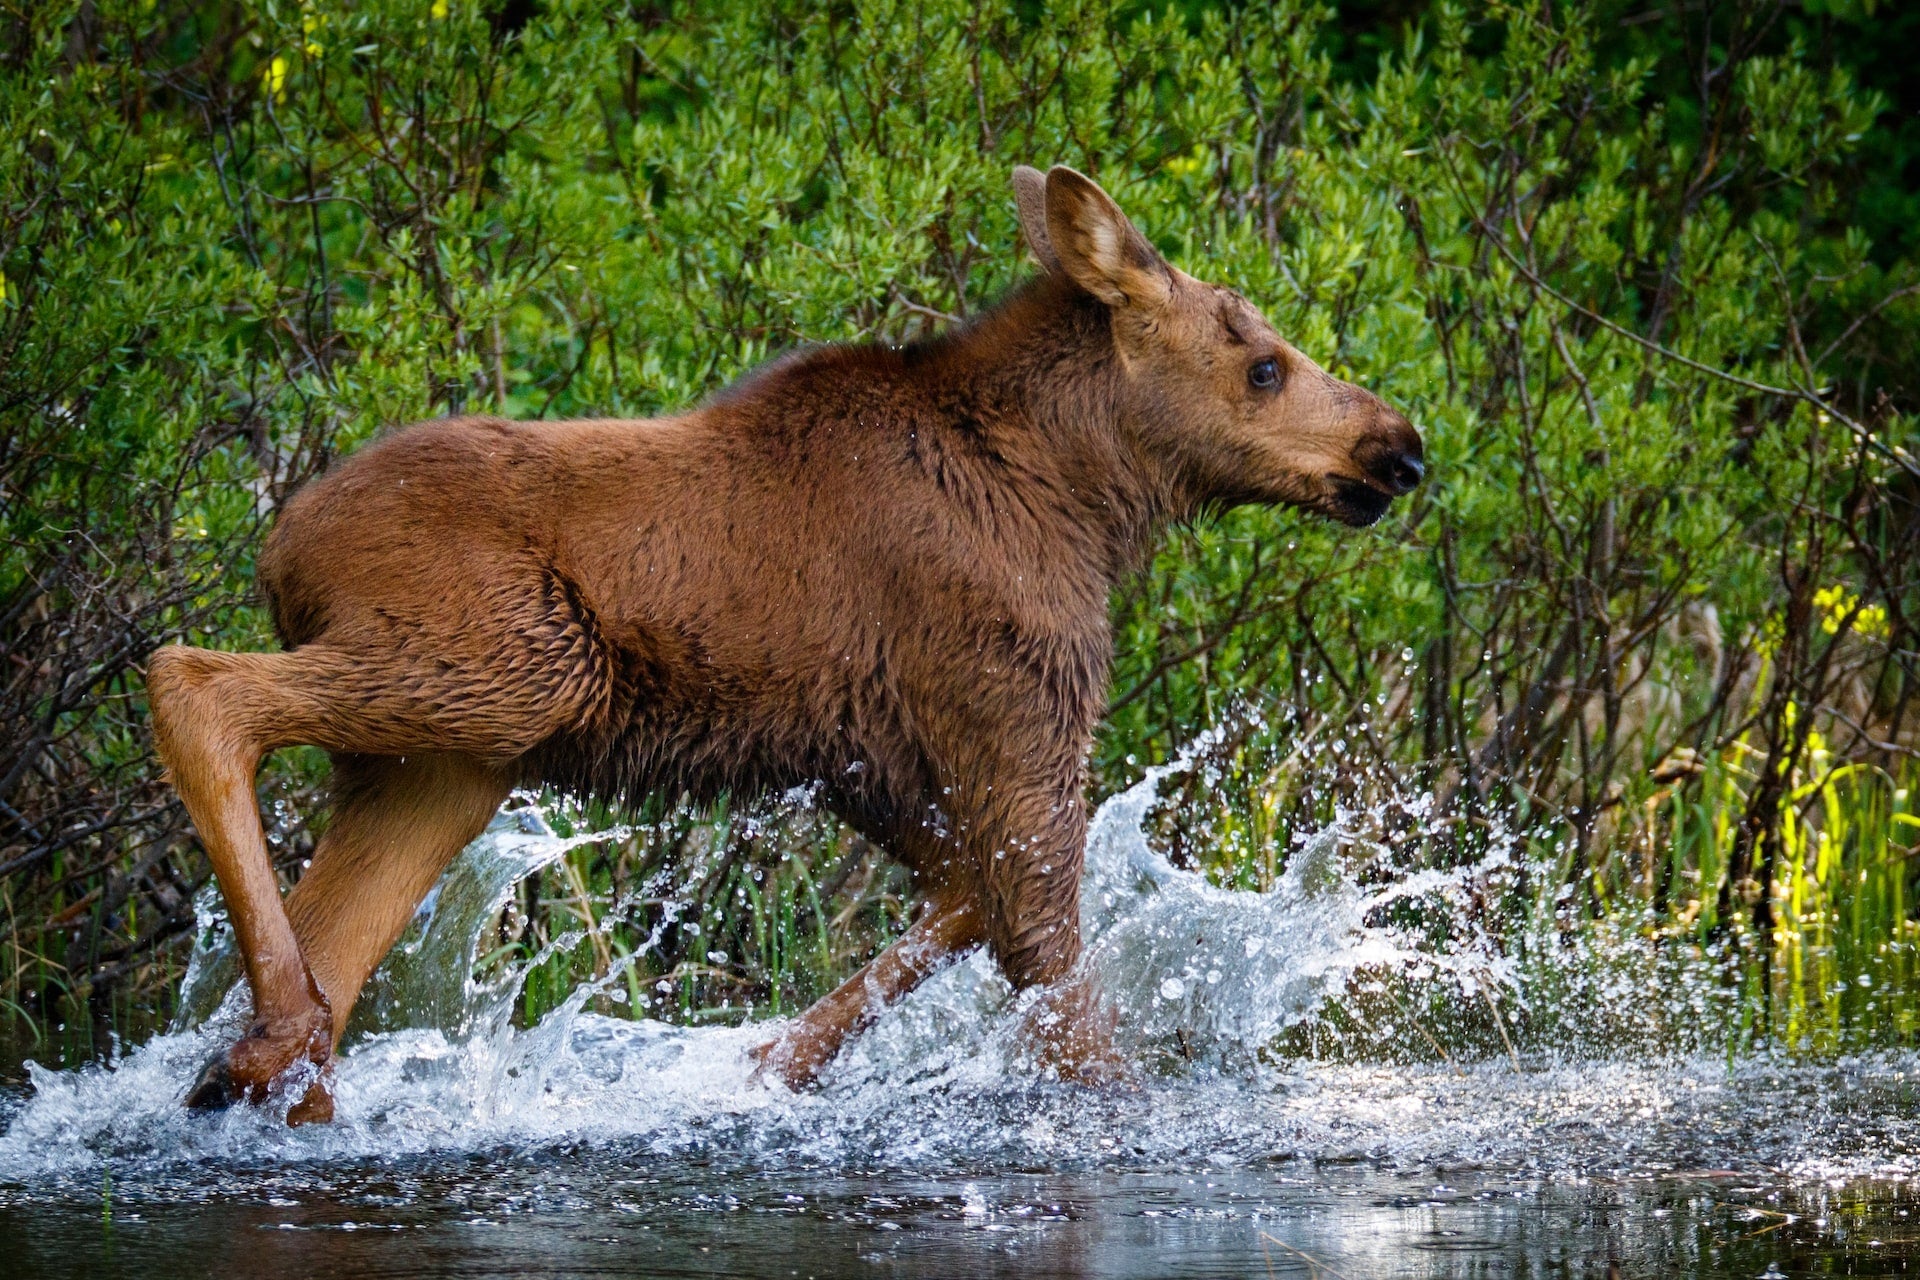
[[885, 570]]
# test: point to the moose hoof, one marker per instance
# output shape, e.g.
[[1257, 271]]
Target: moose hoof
[[247, 1070], [213, 1091], [1070, 1031], [315, 1107]]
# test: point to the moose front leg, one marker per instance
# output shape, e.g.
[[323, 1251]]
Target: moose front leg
[[948, 929], [1070, 1026], [1032, 893]]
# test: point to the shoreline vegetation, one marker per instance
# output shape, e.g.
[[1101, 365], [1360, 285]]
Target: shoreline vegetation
[[1648, 282]]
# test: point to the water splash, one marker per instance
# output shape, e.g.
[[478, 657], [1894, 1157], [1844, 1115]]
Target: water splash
[[1214, 974], [427, 981], [1205, 979]]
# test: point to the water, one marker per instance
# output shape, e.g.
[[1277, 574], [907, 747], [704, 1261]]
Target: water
[[594, 1213], [597, 1145]]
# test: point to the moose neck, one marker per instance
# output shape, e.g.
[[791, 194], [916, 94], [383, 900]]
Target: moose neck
[[1044, 381]]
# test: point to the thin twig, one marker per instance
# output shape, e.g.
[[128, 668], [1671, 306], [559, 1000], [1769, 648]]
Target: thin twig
[[1865, 434], [1500, 1025]]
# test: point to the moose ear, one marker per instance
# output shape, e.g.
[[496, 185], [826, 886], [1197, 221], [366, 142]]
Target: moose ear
[[1103, 252], [1030, 198]]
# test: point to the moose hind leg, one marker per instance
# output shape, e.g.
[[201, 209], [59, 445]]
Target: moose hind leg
[[216, 714], [209, 739], [397, 822]]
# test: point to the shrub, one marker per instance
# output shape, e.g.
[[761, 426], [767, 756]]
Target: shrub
[[1670, 519]]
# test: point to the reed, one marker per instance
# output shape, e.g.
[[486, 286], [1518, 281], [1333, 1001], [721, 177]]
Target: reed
[[1830, 964], [702, 916]]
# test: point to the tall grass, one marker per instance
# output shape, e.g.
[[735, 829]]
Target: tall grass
[[702, 917], [1831, 963]]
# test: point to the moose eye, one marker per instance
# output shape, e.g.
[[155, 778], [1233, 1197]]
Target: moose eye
[[1264, 376]]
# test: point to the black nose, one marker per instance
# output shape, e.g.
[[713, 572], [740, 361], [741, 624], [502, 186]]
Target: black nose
[[1391, 453], [1404, 473], [1396, 465]]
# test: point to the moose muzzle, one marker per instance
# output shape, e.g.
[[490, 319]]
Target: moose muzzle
[[1391, 455]]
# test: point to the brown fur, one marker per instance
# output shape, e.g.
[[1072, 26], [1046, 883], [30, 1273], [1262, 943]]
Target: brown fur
[[883, 570]]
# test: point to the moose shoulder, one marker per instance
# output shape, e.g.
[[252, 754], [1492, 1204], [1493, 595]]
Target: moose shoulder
[[882, 570]]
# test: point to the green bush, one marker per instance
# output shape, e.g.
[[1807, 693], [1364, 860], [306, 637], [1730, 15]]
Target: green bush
[[1670, 518]]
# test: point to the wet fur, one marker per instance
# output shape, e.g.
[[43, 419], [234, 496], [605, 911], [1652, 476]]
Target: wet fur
[[884, 570]]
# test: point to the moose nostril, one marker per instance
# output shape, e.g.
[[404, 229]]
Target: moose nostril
[[1408, 471], [1392, 459]]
